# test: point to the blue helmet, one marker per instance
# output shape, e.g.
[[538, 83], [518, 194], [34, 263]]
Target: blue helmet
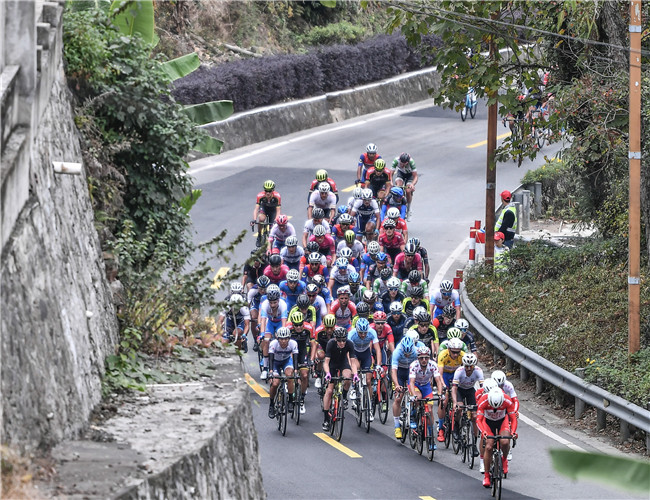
[[407, 345], [362, 325], [397, 191], [354, 278], [342, 209], [382, 256]]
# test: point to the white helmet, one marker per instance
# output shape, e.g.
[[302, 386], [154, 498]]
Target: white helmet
[[320, 230], [324, 187], [236, 300], [414, 335], [446, 286], [462, 324], [374, 248], [495, 398], [371, 148], [236, 287], [366, 194], [455, 344], [499, 377], [393, 282], [356, 194], [393, 213], [470, 359], [395, 307], [489, 384]]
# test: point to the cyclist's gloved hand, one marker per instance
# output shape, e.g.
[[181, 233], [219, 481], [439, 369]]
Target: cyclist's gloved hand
[[328, 377], [355, 378], [515, 435]]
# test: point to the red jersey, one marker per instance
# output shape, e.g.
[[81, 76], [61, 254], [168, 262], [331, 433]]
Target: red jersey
[[276, 278], [343, 316], [273, 202], [401, 226], [386, 334], [330, 181], [395, 242], [485, 412]]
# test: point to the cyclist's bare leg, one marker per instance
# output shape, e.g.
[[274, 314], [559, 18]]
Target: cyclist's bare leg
[[274, 388], [304, 379], [288, 371], [487, 454]]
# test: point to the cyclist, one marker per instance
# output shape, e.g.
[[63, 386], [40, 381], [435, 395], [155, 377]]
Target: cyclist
[[444, 296], [368, 258], [323, 291], [364, 337], [370, 298], [319, 340], [496, 416], [363, 311], [276, 271], [318, 302], [315, 266], [325, 242], [421, 372], [425, 330], [400, 224], [465, 378], [303, 305], [453, 333], [415, 300], [340, 275], [378, 179], [406, 175], [384, 335], [281, 230], [424, 255], [283, 352], [291, 253], [273, 315], [338, 354], [370, 233], [346, 253], [406, 261], [395, 199], [356, 195], [301, 332], [236, 321], [292, 287], [350, 241], [392, 293], [323, 199], [267, 205], [396, 320], [343, 309], [253, 269], [414, 279], [366, 160], [323, 176], [344, 224], [380, 285], [448, 361], [391, 241], [254, 297], [375, 270], [404, 354], [445, 321], [365, 210], [466, 336], [356, 289], [507, 387], [317, 219]]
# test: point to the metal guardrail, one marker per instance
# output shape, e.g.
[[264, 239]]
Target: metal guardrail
[[584, 392]]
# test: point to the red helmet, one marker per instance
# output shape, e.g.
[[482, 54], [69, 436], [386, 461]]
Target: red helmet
[[281, 220], [379, 316], [506, 196], [499, 236]]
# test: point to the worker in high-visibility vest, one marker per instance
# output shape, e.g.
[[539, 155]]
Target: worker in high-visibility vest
[[507, 223], [500, 253]]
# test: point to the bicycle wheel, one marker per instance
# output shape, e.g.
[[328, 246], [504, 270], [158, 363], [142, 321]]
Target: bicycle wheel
[[472, 110], [260, 357], [447, 430], [470, 445], [496, 475], [296, 402], [357, 406], [413, 434], [464, 442], [419, 446], [366, 407], [383, 404], [333, 412], [455, 443], [430, 436], [540, 136], [463, 112], [340, 412], [403, 421]]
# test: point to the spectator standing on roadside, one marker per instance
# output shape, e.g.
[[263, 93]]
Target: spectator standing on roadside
[[500, 252], [507, 223]]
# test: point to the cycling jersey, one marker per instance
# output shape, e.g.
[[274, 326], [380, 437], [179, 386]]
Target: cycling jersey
[[236, 319], [342, 276], [320, 306], [403, 268], [329, 180], [364, 211], [357, 248], [291, 294], [377, 179], [276, 279], [277, 235], [403, 168], [253, 271], [485, 413], [279, 353], [363, 344], [400, 226], [398, 202], [322, 336], [407, 286], [326, 244], [443, 345], [386, 299], [308, 272], [441, 301], [339, 232], [397, 324], [339, 355], [309, 314], [254, 297], [327, 203], [269, 205], [379, 287], [468, 339], [365, 163], [274, 315], [384, 335], [463, 381], [400, 359], [423, 376], [447, 364], [391, 242], [408, 306], [292, 258], [309, 226], [343, 315], [431, 335]]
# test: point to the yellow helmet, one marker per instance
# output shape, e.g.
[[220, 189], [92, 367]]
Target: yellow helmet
[[296, 317], [329, 320], [321, 175], [269, 185], [380, 164]]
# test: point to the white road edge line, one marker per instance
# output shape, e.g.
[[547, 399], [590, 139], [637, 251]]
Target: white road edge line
[[550, 434], [447, 264]]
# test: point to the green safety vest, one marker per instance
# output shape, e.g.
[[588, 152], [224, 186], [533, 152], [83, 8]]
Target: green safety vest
[[513, 209]]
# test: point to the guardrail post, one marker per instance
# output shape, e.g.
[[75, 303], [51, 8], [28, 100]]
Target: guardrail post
[[523, 373], [510, 365], [539, 385], [625, 431], [537, 200], [647, 437], [525, 210], [579, 404], [601, 419]]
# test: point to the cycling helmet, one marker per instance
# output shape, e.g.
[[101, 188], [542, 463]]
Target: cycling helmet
[[414, 336], [389, 223], [318, 279], [392, 213], [379, 316], [263, 281], [366, 194], [409, 249], [342, 209], [404, 158], [269, 185], [417, 291], [350, 237], [345, 219], [362, 325], [489, 384], [356, 194], [329, 320], [371, 149], [273, 292], [454, 333], [321, 175], [340, 333], [455, 344], [407, 344], [311, 288], [395, 307], [499, 377], [236, 300], [320, 231], [317, 213], [275, 260], [303, 301], [496, 398], [293, 275], [449, 310], [324, 187], [446, 286], [499, 236], [281, 220], [312, 246], [342, 263], [344, 290], [414, 276], [385, 274], [397, 191], [382, 257], [423, 351], [422, 316], [363, 308], [346, 253], [291, 241], [462, 324], [354, 277], [392, 283], [416, 242], [282, 333], [314, 258], [470, 359], [236, 287], [369, 296], [373, 248], [380, 164], [296, 318]]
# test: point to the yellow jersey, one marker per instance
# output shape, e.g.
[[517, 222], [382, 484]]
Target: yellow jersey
[[447, 364]]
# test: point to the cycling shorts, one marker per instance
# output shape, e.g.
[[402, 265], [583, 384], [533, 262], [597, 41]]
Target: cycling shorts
[[335, 369], [467, 395], [365, 358], [269, 212], [425, 390], [499, 427], [280, 366], [402, 376], [447, 378], [230, 325], [302, 351], [407, 178], [272, 327]]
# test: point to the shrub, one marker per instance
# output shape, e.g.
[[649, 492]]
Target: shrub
[[337, 33]]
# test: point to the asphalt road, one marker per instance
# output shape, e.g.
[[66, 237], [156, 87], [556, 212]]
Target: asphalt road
[[451, 159]]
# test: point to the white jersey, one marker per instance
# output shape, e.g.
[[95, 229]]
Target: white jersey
[[463, 381], [509, 389], [423, 376], [342, 278], [357, 248], [329, 202], [440, 302], [309, 226], [279, 234], [292, 258], [365, 210], [280, 354], [273, 315]]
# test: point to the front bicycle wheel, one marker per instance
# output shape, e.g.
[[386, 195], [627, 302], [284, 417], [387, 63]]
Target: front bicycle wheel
[[472, 109], [470, 445], [403, 421], [496, 475], [540, 136], [447, 430], [463, 113], [455, 442], [413, 434], [464, 443], [430, 436], [357, 406], [420, 433], [366, 407], [333, 412], [383, 404], [296, 402], [340, 412]]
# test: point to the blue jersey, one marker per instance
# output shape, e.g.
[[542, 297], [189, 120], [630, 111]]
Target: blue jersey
[[402, 360], [290, 296], [360, 344]]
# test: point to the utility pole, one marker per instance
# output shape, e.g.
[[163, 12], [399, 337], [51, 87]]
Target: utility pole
[[634, 238], [491, 170]]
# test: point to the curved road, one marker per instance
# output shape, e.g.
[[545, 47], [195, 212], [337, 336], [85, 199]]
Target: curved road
[[450, 157]]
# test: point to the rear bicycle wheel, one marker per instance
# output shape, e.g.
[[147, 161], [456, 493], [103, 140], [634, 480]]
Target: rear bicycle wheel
[[455, 443], [366, 407], [383, 404], [419, 446], [470, 445], [464, 443], [296, 403], [472, 109], [447, 430], [463, 112], [540, 136], [403, 421], [357, 406], [430, 436]]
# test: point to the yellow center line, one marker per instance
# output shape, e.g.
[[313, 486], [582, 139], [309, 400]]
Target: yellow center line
[[255, 386], [219, 276], [483, 143], [349, 188], [426, 497], [337, 445]]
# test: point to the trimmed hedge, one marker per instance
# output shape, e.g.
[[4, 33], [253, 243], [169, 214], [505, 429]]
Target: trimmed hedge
[[252, 83]]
